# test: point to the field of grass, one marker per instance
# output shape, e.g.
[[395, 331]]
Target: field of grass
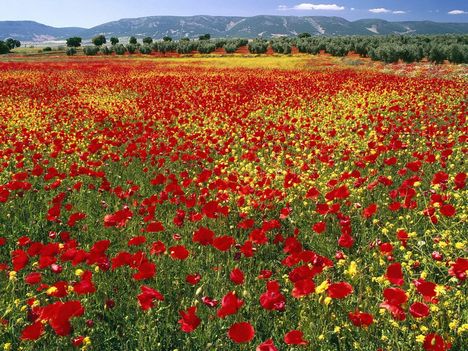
[[232, 203]]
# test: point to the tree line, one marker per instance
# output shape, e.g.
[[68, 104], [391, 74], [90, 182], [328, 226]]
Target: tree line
[[389, 49], [8, 45]]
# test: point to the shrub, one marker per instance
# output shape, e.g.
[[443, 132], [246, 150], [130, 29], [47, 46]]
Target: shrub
[[206, 47], [437, 54], [71, 51], [230, 47], [131, 48], [120, 49], [90, 50], [146, 49], [258, 46], [105, 50], [47, 49]]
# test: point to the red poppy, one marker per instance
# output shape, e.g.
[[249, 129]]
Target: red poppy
[[369, 211], [230, 304], [267, 345], [237, 276], [146, 270], [33, 332], [209, 301], [147, 297], [447, 210], [20, 259], [395, 274], [319, 227], [189, 321], [33, 278], [426, 289], [295, 337], [223, 243], [434, 342], [241, 332], [158, 248], [75, 217], [339, 290], [203, 236], [118, 219], [419, 310], [459, 269], [303, 287], [154, 227], [273, 299], [193, 279], [85, 286], [178, 252], [137, 241], [360, 319]]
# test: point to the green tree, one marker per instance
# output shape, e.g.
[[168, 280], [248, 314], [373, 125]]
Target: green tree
[[206, 47], [4, 49], [99, 40], [91, 50], [114, 41], [455, 53], [258, 46], [146, 49], [131, 48], [12, 43], [304, 35], [204, 37], [74, 42], [132, 40], [120, 49], [166, 38], [71, 51], [437, 54], [230, 47], [148, 40]]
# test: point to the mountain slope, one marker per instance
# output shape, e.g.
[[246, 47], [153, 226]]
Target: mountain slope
[[33, 31], [227, 26]]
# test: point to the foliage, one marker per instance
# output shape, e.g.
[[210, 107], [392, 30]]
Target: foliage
[[120, 49], [258, 46], [91, 50], [12, 43], [148, 40], [99, 40], [204, 37], [114, 41], [4, 49], [74, 42], [146, 49], [71, 51], [163, 205]]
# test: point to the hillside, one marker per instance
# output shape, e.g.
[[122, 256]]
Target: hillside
[[228, 26]]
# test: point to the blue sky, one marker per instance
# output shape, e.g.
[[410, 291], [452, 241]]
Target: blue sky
[[88, 13]]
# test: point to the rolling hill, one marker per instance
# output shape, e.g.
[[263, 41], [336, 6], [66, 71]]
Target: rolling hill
[[227, 26]]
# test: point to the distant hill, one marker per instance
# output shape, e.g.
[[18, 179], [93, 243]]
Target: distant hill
[[228, 26], [33, 31]]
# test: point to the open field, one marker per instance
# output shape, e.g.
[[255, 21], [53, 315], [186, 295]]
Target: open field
[[201, 203]]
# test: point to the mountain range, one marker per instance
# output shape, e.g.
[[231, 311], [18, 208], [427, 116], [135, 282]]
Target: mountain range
[[226, 26]]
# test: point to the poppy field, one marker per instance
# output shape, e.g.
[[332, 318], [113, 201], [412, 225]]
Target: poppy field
[[205, 204]]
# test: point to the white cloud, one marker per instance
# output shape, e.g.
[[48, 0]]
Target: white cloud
[[323, 7], [399, 12], [380, 10], [457, 12], [352, 9], [282, 7]]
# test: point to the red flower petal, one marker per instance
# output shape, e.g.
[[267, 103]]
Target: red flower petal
[[241, 332]]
